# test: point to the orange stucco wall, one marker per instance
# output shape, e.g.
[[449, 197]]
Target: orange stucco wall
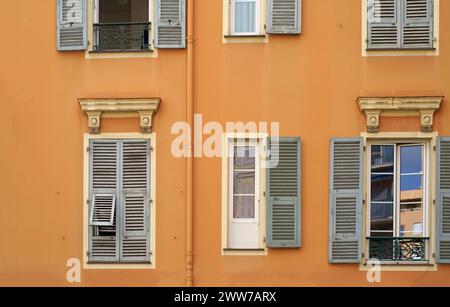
[[308, 83]]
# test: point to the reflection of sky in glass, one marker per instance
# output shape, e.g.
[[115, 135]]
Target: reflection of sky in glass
[[410, 162]]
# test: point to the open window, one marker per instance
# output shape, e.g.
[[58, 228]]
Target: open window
[[121, 25]]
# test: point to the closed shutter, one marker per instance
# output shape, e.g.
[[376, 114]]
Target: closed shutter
[[136, 201], [417, 24], [346, 167], [284, 16], [71, 25], [383, 24], [103, 183], [284, 193], [170, 24], [443, 200]]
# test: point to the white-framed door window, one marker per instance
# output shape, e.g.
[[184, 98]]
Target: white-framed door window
[[243, 209], [245, 17], [397, 197]]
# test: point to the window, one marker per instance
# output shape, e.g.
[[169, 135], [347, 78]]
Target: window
[[400, 24], [121, 25], [397, 209], [245, 17], [244, 230], [119, 201]]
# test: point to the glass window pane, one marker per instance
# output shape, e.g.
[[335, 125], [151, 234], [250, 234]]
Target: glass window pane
[[410, 183], [243, 207], [244, 182], [411, 159], [382, 158], [411, 217], [382, 217], [244, 157], [245, 16], [382, 187]]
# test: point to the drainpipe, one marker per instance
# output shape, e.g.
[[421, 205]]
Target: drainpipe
[[190, 159]]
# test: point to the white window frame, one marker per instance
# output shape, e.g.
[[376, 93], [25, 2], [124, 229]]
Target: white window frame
[[396, 212], [257, 18]]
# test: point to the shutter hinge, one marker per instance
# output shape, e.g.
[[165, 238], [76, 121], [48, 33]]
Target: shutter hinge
[[150, 148], [88, 201], [364, 148], [362, 255], [434, 255], [88, 149], [434, 201], [150, 253], [88, 253], [364, 202], [264, 239], [264, 193], [151, 200], [434, 148]]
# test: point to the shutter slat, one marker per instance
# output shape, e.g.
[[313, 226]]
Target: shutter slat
[[345, 200], [284, 17], [170, 25], [71, 24], [284, 193], [443, 200]]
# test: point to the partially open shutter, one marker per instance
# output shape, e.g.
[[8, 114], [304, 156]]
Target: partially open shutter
[[103, 182], [443, 200], [383, 24], [71, 25], [417, 24], [284, 16], [136, 201], [170, 24], [284, 192], [346, 167]]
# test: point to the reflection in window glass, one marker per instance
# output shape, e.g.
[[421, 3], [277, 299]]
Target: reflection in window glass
[[244, 182]]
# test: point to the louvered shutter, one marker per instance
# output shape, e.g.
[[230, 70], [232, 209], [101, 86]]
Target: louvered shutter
[[284, 16], [346, 167], [170, 24], [443, 200], [383, 24], [417, 24], [136, 201], [71, 25], [103, 208], [103, 183], [284, 192]]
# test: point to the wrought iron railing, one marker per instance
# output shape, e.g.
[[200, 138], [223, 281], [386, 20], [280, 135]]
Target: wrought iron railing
[[398, 249], [129, 36]]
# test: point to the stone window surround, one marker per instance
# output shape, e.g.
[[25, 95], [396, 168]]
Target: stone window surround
[[98, 108], [423, 106]]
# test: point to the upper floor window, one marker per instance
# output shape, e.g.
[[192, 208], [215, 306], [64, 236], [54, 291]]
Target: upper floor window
[[245, 17], [400, 24], [121, 25]]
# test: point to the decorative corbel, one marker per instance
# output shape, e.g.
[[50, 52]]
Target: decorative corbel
[[373, 120], [94, 121], [426, 120], [146, 121]]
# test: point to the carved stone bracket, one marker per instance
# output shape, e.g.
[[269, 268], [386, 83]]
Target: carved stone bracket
[[96, 109], [375, 107]]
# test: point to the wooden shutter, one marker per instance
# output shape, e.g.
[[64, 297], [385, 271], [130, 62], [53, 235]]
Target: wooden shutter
[[443, 200], [284, 16], [170, 24], [103, 183], [383, 28], [136, 201], [103, 208], [284, 192], [417, 24], [71, 25], [346, 167]]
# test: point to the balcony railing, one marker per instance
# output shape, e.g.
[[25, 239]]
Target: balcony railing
[[129, 36], [398, 249]]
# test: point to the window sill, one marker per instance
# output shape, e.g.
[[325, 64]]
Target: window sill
[[247, 38], [400, 49], [121, 54], [244, 252], [121, 51], [245, 35], [393, 266], [119, 265]]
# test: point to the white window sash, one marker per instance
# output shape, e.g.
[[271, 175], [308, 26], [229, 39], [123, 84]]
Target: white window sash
[[257, 18]]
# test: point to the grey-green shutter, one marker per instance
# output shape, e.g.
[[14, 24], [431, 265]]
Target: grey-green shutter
[[284, 192], [103, 180], [71, 25], [346, 169], [170, 24], [135, 228], [443, 200], [417, 29], [383, 24], [284, 17]]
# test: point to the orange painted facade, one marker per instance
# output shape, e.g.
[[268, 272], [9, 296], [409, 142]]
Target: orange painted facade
[[309, 83]]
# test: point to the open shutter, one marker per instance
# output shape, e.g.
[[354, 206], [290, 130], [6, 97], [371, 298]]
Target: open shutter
[[284, 16], [417, 24], [170, 24], [346, 167], [103, 179], [443, 200], [71, 25], [383, 24], [283, 192], [136, 201]]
